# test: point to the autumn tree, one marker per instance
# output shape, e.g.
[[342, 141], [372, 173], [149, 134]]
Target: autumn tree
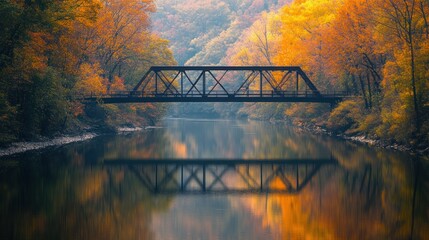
[[351, 49], [405, 22], [52, 51]]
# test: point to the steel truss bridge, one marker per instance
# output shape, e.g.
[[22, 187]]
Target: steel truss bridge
[[221, 84], [221, 176]]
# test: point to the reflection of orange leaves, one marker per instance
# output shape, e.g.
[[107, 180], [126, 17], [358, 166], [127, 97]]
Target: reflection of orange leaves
[[34, 224], [277, 183], [92, 187], [119, 176], [180, 149]]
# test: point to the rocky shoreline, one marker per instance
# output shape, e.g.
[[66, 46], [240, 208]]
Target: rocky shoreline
[[422, 150], [20, 147]]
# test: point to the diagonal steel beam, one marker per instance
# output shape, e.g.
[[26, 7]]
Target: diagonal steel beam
[[195, 83], [170, 84], [163, 79], [308, 82], [193, 175], [218, 178], [169, 176], [272, 86], [218, 82], [149, 77], [245, 81], [284, 79], [142, 79]]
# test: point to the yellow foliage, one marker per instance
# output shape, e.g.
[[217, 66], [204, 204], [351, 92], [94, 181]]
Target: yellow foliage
[[259, 43], [346, 115], [91, 81], [302, 23]]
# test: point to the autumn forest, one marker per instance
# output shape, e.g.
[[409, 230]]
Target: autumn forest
[[52, 51]]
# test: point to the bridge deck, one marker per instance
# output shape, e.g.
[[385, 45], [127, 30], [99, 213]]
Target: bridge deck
[[266, 96]]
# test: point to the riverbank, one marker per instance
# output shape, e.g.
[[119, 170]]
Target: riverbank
[[24, 146], [362, 138], [20, 147]]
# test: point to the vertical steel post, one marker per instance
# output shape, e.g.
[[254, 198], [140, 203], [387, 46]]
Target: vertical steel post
[[156, 82], [181, 88], [156, 178], [260, 83], [297, 177], [181, 180], [204, 178], [204, 83], [297, 82]]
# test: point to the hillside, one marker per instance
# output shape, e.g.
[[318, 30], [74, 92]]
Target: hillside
[[200, 32]]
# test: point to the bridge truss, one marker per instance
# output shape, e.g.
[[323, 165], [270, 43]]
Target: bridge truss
[[222, 84], [180, 176]]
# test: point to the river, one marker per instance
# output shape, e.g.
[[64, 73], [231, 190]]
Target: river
[[280, 183]]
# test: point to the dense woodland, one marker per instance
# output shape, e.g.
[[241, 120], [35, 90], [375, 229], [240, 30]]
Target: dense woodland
[[377, 49], [202, 31], [51, 51]]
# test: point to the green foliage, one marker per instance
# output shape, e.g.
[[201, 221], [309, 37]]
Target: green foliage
[[8, 121], [50, 50], [44, 110]]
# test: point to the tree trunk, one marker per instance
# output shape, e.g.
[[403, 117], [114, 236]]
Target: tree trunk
[[362, 86], [369, 90], [413, 84]]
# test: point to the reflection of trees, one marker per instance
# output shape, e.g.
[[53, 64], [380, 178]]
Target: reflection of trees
[[371, 194], [420, 211], [146, 144], [50, 199], [279, 141], [206, 139], [235, 139], [372, 200]]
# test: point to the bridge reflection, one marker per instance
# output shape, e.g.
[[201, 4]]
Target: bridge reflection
[[220, 176]]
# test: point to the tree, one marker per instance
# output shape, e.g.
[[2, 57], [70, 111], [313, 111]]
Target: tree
[[351, 49], [406, 21]]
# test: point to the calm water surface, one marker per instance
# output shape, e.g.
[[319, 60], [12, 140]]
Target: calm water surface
[[324, 189]]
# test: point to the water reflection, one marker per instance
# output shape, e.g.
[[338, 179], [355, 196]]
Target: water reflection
[[220, 176], [72, 192]]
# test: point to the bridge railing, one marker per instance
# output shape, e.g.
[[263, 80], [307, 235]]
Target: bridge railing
[[214, 94]]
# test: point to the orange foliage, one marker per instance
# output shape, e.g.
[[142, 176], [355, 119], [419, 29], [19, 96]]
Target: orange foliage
[[91, 81], [117, 84]]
